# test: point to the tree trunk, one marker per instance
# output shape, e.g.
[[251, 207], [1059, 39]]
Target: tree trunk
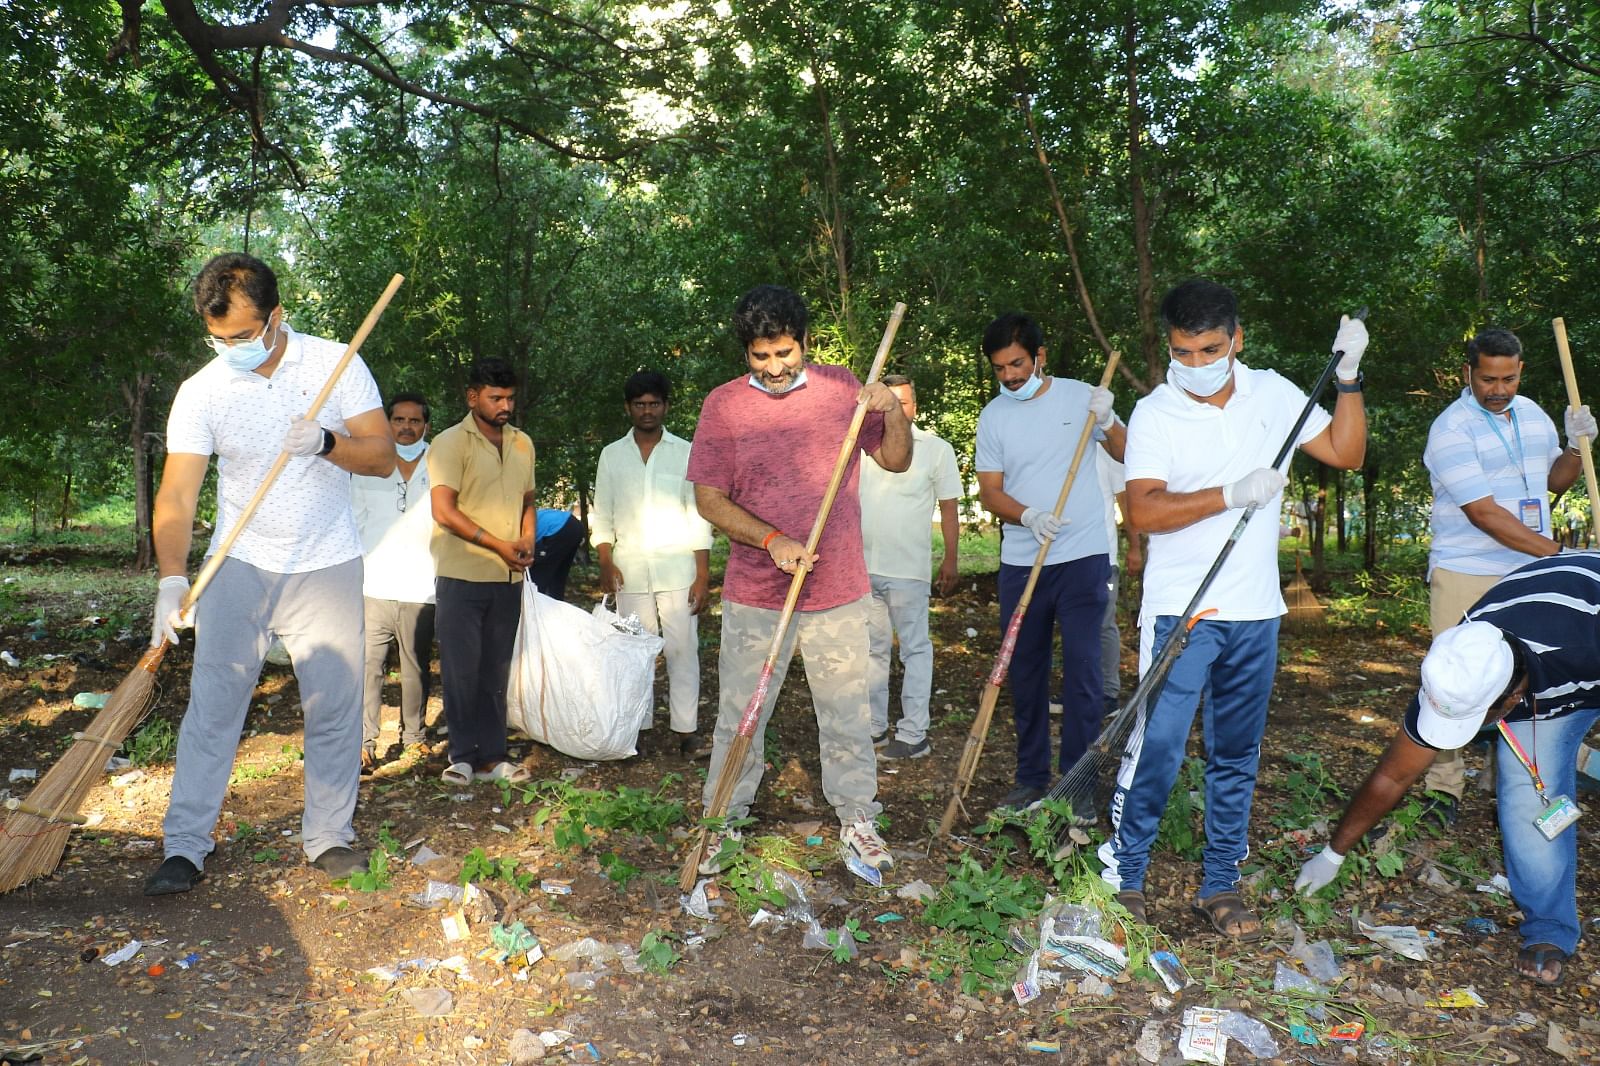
[[1319, 528], [1155, 360], [66, 502], [835, 223], [1480, 239], [136, 394], [1369, 515], [1338, 509]]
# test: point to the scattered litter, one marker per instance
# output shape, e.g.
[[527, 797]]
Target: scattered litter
[[1557, 1042], [130, 777], [122, 954], [455, 926], [9, 659], [578, 1051], [916, 890], [1318, 959], [1092, 985], [93, 701], [438, 893], [1255, 1036], [1169, 969], [586, 948], [870, 874], [1349, 1032], [1305, 1034], [116, 764], [1149, 1043], [582, 980], [391, 973], [155, 969], [1480, 926], [1288, 979], [424, 856], [572, 773], [429, 1002], [1089, 954], [554, 1037], [1497, 884], [762, 917], [556, 888], [188, 960], [739, 1039], [1405, 940], [813, 841], [697, 904], [1458, 997], [888, 916], [1436, 880], [1202, 1039], [23, 775], [1026, 987], [971, 632], [1046, 1047], [516, 939]]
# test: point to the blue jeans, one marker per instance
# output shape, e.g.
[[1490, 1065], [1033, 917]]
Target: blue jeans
[[1073, 596], [1543, 873], [1232, 665]]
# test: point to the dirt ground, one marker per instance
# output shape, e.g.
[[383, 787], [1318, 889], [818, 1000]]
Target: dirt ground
[[280, 958]]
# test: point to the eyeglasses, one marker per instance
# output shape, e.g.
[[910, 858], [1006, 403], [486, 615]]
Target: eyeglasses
[[222, 344], [400, 498]]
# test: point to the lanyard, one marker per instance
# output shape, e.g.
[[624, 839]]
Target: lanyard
[[1531, 765], [1517, 456]]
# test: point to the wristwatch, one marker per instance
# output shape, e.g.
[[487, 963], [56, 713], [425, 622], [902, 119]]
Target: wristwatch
[[327, 442], [1354, 386]]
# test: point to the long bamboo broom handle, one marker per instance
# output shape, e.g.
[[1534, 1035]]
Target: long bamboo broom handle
[[729, 773], [209, 570], [973, 751], [1585, 447]]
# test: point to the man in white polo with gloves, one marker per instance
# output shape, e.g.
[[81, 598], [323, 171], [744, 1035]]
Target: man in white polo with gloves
[[1526, 662]]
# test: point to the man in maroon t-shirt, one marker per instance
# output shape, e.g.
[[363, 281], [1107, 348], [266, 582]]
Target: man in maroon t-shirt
[[764, 450]]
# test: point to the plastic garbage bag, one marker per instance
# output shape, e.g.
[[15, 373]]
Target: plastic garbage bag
[[1286, 979], [1256, 1037], [579, 682]]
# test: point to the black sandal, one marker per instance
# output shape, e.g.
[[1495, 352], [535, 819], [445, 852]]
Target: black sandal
[[1540, 956], [1228, 909]]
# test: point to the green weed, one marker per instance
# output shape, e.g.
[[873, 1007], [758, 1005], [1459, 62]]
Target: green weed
[[1179, 831], [975, 909], [656, 952], [376, 877], [841, 949], [477, 866], [155, 742]]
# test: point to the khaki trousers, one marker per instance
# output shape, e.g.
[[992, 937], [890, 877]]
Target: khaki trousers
[[1449, 596]]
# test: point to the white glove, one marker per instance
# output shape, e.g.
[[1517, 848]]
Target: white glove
[[1580, 423], [169, 598], [1100, 407], [1255, 489], [1350, 342], [304, 437], [1318, 872], [1042, 524]]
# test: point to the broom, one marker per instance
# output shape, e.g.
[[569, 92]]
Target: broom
[[733, 762], [35, 830], [1077, 785], [1585, 449], [1305, 610], [967, 768]]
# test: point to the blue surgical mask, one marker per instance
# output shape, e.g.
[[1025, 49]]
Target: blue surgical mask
[[1205, 380], [1026, 390], [411, 452], [246, 355]]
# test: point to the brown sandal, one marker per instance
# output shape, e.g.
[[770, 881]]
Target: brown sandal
[[1132, 901], [1228, 915]]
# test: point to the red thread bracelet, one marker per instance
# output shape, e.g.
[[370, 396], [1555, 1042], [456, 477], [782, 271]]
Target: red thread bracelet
[[768, 539]]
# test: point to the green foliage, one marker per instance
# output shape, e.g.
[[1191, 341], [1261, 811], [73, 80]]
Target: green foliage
[[376, 877], [841, 950], [155, 742], [656, 952], [975, 909], [1180, 831], [477, 866], [576, 815]]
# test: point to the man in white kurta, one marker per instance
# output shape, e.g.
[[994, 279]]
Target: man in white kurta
[[654, 548]]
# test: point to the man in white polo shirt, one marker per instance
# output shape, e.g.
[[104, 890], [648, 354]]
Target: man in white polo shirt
[[1199, 446], [395, 517], [1494, 460], [896, 510], [295, 569], [654, 548]]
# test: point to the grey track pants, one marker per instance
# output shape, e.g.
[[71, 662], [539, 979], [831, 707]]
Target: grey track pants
[[318, 616]]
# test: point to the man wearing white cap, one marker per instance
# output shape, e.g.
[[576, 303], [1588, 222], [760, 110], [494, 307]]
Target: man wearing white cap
[[1527, 660]]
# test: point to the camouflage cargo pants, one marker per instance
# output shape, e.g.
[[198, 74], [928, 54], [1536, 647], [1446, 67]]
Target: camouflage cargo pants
[[833, 644]]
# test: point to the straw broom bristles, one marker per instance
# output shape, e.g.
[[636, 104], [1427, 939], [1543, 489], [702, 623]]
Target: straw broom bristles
[[36, 828]]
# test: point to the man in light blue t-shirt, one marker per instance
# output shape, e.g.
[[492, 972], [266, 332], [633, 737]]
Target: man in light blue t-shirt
[[1494, 459], [1026, 437]]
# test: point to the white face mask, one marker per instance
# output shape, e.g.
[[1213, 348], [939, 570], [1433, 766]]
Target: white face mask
[[1205, 380], [1027, 390], [411, 452], [246, 355], [799, 379]]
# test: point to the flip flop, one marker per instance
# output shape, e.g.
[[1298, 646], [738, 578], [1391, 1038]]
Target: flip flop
[[457, 773], [1541, 955], [503, 771], [1228, 909]]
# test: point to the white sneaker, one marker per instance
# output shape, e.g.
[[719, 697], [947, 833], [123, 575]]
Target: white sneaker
[[861, 839], [712, 864]]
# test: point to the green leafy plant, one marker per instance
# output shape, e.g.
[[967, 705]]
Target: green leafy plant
[[477, 866], [975, 910], [840, 945], [375, 877], [657, 954], [1179, 831], [155, 742]]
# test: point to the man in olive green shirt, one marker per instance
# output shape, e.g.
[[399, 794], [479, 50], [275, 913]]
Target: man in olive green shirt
[[481, 472]]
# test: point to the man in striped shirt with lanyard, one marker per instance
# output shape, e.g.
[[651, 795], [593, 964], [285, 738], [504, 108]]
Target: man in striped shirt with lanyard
[[1494, 459], [1525, 661]]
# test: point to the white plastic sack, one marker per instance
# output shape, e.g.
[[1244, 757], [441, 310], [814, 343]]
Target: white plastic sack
[[579, 683]]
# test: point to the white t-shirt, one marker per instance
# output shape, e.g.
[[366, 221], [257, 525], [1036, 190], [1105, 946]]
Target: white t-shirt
[[1112, 481], [898, 510], [304, 523], [399, 565], [646, 512], [1030, 443], [1190, 446]]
